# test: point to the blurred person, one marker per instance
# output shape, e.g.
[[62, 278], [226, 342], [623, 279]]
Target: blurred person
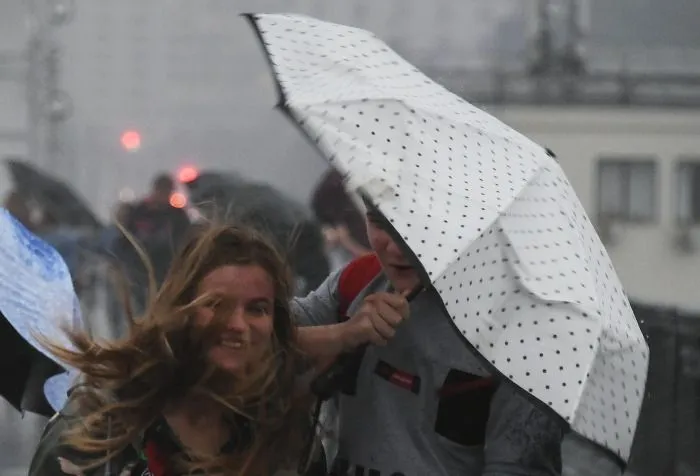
[[19, 207], [416, 401], [341, 218], [340, 246], [206, 381], [110, 234], [107, 241], [154, 217], [71, 242], [158, 228]]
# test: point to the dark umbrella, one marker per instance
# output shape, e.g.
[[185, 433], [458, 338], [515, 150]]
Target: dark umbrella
[[60, 202], [230, 197], [208, 180], [25, 373]]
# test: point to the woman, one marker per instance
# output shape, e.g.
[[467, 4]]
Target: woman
[[203, 383]]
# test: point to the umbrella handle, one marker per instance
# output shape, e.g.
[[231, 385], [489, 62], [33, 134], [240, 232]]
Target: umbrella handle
[[326, 384]]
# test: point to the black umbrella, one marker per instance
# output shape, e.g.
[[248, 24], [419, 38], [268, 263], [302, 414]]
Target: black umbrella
[[24, 374], [60, 202], [230, 197]]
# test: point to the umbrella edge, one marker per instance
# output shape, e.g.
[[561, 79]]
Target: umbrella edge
[[252, 18]]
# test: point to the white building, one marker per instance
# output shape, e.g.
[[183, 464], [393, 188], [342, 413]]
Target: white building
[[637, 173]]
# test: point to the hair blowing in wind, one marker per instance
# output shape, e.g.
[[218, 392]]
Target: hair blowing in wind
[[129, 383]]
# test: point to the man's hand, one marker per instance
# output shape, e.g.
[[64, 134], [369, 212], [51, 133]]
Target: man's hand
[[376, 320]]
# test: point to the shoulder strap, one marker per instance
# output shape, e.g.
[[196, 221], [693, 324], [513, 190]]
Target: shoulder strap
[[354, 278]]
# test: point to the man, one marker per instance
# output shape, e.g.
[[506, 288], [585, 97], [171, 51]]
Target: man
[[158, 228], [421, 403], [343, 223]]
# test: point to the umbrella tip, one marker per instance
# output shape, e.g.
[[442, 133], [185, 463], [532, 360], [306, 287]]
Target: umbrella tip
[[550, 152]]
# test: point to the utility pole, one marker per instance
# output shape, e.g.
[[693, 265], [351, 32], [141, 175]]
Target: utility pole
[[572, 57], [557, 69], [543, 50], [48, 105], [12, 65]]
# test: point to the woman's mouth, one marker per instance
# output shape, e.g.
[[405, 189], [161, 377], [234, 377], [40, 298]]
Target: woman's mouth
[[231, 344]]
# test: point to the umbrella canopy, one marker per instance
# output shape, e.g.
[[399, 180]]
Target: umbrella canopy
[[58, 199], [24, 371], [36, 299], [265, 208], [489, 215]]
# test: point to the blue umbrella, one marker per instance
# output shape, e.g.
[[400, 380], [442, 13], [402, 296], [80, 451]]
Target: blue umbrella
[[37, 299]]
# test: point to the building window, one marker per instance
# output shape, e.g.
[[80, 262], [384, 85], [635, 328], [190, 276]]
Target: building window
[[688, 193], [627, 189]]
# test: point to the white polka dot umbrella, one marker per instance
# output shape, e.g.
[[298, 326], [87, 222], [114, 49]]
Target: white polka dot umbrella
[[36, 293], [488, 213]]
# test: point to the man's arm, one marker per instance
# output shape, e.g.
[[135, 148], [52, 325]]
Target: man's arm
[[521, 438], [321, 306], [323, 338], [320, 335]]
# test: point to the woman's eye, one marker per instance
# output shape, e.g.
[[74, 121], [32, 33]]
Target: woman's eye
[[260, 310]]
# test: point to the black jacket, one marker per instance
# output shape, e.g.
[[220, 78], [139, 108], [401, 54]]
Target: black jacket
[[51, 450]]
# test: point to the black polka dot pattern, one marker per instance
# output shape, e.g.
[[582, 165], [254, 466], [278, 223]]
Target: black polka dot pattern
[[489, 213]]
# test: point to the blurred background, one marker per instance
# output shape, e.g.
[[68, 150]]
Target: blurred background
[[103, 95]]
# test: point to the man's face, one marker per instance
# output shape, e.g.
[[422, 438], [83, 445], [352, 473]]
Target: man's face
[[398, 269]]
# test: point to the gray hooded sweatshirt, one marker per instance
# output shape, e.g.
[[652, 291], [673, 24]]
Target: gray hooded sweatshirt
[[397, 421]]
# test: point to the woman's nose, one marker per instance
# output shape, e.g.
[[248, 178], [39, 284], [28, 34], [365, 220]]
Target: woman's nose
[[237, 321]]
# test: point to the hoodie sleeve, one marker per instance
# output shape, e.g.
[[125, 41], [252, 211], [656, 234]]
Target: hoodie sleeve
[[319, 307]]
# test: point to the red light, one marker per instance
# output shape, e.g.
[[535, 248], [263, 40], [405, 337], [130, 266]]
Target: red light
[[131, 140], [187, 174], [178, 200]]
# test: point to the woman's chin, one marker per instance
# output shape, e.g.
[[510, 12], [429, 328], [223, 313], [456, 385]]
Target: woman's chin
[[232, 364], [235, 368]]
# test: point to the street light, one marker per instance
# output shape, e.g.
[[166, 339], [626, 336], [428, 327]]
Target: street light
[[187, 174], [178, 200], [131, 140]]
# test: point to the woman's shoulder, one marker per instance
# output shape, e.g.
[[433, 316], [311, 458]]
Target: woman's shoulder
[[53, 457]]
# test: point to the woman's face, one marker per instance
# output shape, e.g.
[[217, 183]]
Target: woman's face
[[243, 297]]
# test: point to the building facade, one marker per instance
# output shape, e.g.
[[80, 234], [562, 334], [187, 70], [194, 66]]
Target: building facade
[[637, 173]]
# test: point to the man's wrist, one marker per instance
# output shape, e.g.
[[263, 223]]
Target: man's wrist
[[345, 337]]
